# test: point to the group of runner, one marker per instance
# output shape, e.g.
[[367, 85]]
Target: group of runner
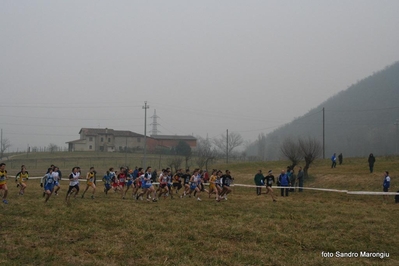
[[143, 184]]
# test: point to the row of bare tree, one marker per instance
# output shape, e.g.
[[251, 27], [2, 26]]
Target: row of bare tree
[[207, 150], [4, 145], [306, 150]]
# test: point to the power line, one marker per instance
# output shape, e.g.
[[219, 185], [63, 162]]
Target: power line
[[67, 106], [259, 129], [52, 125], [68, 118], [220, 114], [364, 110], [39, 134]]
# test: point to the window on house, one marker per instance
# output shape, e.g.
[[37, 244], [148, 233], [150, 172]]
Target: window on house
[[102, 139], [109, 139], [138, 139], [90, 147], [90, 138]]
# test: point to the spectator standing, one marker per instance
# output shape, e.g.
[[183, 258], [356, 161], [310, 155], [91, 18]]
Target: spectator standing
[[340, 158], [284, 183], [300, 179], [292, 178], [371, 161], [259, 182], [386, 184], [154, 176]]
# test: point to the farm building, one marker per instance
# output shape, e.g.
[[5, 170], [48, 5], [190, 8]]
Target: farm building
[[110, 140], [170, 141]]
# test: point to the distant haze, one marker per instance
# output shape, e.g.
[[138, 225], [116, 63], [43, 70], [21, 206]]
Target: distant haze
[[361, 120], [205, 66]]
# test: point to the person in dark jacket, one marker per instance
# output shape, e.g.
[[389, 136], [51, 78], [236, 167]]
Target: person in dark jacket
[[284, 183], [259, 182], [300, 179], [340, 158], [371, 161], [154, 176]]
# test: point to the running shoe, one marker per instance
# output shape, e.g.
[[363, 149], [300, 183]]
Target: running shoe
[[5, 201], [199, 199]]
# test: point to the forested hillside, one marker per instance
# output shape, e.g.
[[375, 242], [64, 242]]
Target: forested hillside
[[358, 120]]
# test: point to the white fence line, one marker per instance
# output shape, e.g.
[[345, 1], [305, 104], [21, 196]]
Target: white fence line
[[304, 188]]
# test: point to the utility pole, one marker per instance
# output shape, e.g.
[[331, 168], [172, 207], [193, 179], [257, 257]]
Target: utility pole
[[126, 151], [324, 128], [1, 144], [227, 146], [396, 141], [145, 107]]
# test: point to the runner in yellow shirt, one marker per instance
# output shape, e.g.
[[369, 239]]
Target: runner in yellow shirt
[[22, 177], [90, 177], [213, 189], [3, 181]]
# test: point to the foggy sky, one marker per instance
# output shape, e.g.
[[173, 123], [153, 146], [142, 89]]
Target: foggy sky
[[205, 66]]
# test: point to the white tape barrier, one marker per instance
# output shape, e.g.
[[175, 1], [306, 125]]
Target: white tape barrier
[[327, 189], [305, 188]]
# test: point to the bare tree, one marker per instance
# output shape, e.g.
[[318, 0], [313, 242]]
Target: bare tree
[[175, 162], [311, 149], [52, 147], [291, 150], [234, 140], [5, 144], [205, 152]]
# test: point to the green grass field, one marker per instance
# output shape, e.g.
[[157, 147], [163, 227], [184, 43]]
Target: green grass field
[[244, 230]]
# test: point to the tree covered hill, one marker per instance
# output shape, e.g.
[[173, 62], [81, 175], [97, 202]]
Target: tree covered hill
[[358, 121]]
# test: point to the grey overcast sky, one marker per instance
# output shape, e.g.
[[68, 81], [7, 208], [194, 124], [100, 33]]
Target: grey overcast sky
[[205, 66]]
